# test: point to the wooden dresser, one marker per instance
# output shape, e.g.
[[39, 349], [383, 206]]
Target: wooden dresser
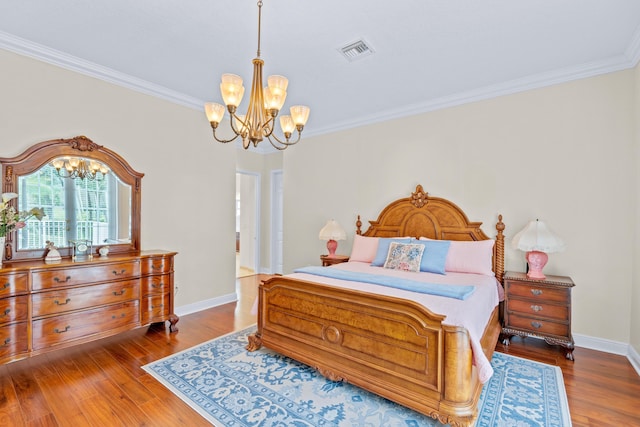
[[50, 306], [538, 308]]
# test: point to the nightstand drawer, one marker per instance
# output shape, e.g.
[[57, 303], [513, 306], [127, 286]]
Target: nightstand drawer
[[537, 292], [538, 325], [539, 309]]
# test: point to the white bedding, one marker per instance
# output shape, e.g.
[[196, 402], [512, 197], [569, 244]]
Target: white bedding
[[472, 313]]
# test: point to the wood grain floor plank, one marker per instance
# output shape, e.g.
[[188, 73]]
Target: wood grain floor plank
[[63, 403], [32, 402], [128, 411], [47, 420]]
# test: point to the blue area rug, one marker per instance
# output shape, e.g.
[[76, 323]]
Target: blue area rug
[[230, 386]]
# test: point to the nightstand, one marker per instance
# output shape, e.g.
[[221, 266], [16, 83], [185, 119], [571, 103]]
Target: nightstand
[[336, 259], [538, 308]]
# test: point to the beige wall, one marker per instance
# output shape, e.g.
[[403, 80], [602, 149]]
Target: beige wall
[[189, 182], [564, 154], [635, 296]]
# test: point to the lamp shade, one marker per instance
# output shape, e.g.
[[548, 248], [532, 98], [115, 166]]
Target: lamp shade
[[536, 236], [332, 231]]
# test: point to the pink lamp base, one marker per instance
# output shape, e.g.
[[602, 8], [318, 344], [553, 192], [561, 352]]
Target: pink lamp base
[[332, 245], [537, 260]]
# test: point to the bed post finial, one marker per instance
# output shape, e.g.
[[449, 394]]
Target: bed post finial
[[499, 267], [419, 198], [358, 225]]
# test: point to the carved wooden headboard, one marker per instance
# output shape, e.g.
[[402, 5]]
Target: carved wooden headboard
[[424, 216]]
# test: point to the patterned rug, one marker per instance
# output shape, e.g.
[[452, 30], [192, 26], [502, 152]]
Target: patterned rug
[[230, 386]]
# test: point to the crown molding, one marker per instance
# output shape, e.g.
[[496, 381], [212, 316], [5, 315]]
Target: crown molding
[[46, 54], [629, 59], [536, 81], [633, 51]]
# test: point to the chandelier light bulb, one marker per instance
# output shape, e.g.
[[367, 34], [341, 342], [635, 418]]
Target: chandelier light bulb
[[274, 98], [287, 125], [277, 83], [58, 163], [232, 89], [214, 112], [300, 114]]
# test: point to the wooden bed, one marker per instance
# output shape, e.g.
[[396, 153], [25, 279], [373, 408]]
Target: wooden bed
[[390, 346]]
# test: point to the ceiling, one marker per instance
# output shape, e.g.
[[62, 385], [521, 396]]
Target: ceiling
[[428, 54]]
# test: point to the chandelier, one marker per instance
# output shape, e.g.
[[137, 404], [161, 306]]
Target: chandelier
[[264, 106], [74, 167]]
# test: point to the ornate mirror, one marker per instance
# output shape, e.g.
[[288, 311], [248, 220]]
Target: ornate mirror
[[88, 193]]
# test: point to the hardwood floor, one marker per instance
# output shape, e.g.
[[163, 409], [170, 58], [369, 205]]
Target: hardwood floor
[[102, 383]]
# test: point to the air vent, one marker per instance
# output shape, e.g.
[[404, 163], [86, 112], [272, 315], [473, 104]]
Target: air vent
[[356, 50]]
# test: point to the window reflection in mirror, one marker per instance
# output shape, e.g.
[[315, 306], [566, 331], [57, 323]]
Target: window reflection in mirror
[[93, 208]]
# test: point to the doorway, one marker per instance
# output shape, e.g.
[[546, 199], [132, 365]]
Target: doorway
[[247, 223], [276, 222]]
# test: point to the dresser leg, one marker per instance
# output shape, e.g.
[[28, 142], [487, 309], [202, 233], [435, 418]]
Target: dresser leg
[[569, 354], [173, 319], [505, 338]]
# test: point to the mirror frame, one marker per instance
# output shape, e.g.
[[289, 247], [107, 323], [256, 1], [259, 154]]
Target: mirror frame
[[44, 152]]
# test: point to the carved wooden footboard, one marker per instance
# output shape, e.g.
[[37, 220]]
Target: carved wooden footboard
[[393, 347], [389, 346]]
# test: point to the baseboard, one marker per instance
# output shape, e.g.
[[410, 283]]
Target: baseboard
[[634, 358], [601, 344], [609, 346], [203, 305]]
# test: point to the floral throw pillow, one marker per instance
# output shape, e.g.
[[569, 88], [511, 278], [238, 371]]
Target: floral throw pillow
[[406, 257]]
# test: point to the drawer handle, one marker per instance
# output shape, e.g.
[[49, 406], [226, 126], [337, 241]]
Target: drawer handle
[[56, 302], [121, 316], [6, 285], [536, 292], [156, 267], [157, 306], [58, 331], [159, 285], [536, 308], [120, 273], [7, 341], [536, 325], [58, 280], [118, 293], [6, 312]]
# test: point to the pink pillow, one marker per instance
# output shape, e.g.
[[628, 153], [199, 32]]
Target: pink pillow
[[364, 248], [470, 257]]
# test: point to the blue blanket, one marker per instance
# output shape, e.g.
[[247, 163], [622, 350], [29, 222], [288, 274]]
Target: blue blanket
[[450, 291]]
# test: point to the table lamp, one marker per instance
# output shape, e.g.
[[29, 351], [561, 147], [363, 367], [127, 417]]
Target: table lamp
[[537, 241], [331, 232]]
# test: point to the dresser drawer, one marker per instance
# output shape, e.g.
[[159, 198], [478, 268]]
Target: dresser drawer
[[59, 301], [14, 309], [60, 329], [156, 308], [538, 309], [12, 284], [53, 278], [537, 325], [156, 284], [537, 292], [157, 265], [13, 339]]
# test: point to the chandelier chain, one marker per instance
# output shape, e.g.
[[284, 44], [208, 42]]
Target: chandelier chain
[[259, 24]]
